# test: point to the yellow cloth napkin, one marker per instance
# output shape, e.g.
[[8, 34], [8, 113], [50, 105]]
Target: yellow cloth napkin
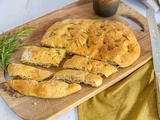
[[133, 98]]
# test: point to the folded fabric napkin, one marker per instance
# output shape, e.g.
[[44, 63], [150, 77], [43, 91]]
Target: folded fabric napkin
[[133, 98]]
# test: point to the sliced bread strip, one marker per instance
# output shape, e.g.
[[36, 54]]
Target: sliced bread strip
[[22, 71], [42, 56], [44, 89], [76, 76], [92, 66]]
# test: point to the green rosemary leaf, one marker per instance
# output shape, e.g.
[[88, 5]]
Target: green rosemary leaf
[[9, 43]]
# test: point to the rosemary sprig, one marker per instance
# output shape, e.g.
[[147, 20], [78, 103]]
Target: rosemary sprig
[[9, 43]]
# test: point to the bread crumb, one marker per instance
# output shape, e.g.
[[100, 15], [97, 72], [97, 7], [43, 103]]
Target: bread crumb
[[27, 55], [34, 103]]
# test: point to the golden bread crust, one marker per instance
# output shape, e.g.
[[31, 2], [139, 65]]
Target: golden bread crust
[[99, 39], [42, 56], [44, 89], [28, 72], [92, 66], [76, 76]]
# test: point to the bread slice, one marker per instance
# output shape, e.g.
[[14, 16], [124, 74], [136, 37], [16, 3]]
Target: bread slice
[[76, 76], [42, 56], [44, 89], [22, 71], [104, 40], [92, 66]]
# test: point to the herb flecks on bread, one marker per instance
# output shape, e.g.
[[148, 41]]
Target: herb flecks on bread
[[44, 89], [103, 40], [76, 76], [22, 71], [97, 46], [92, 66], [42, 56]]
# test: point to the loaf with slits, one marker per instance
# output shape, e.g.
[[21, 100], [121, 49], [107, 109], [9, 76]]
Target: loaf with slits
[[104, 40], [42, 56], [77, 76], [92, 66], [21, 71], [44, 89]]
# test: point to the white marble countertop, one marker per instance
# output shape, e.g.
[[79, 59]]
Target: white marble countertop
[[17, 12]]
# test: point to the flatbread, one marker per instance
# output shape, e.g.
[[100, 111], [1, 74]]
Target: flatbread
[[103, 40], [44, 89], [92, 66], [42, 56], [21, 71], [76, 76]]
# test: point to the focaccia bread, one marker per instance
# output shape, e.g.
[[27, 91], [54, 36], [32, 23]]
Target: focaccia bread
[[103, 40], [92, 66], [77, 76], [22, 71], [42, 56], [44, 89]]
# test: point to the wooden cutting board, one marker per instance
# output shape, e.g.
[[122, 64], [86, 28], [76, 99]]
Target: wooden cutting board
[[32, 108]]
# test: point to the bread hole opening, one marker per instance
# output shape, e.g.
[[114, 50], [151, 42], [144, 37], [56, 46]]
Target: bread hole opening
[[132, 21]]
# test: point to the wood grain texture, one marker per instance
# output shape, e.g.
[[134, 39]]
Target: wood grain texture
[[25, 106]]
